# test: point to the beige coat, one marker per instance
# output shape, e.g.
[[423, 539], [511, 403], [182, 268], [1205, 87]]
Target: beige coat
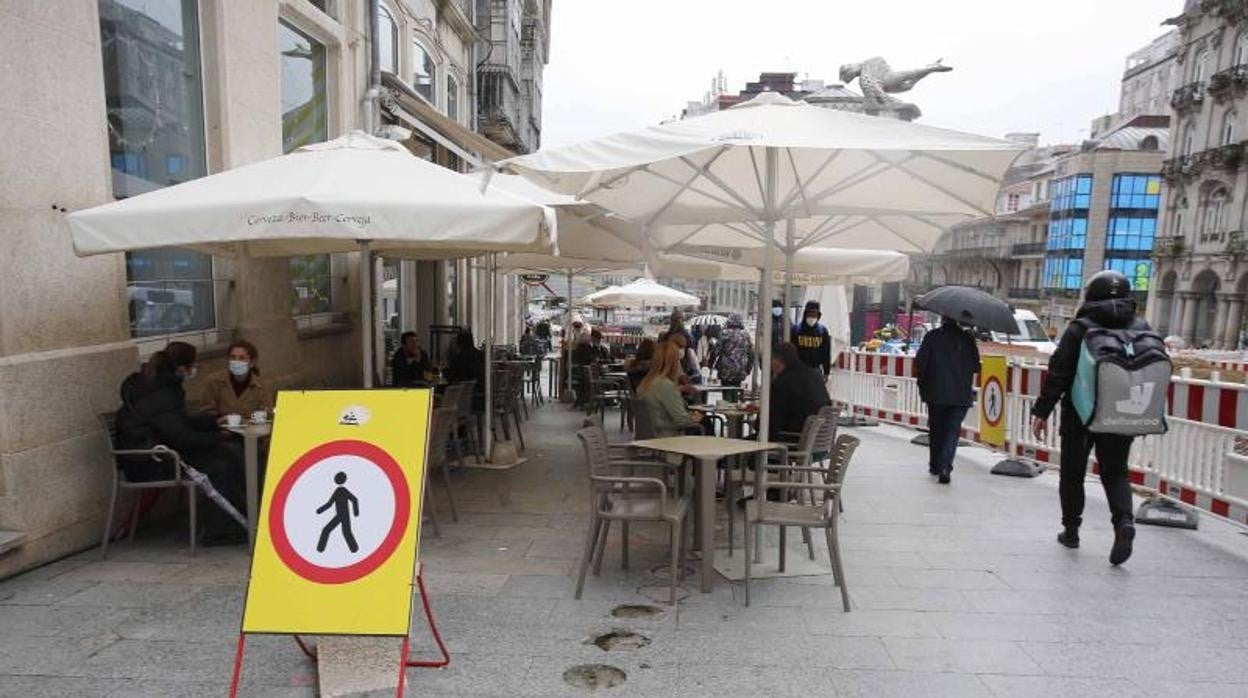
[[218, 396]]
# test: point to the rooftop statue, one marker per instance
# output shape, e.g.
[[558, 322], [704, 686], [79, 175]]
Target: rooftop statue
[[878, 81]]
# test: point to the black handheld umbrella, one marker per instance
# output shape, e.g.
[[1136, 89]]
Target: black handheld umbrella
[[970, 306]]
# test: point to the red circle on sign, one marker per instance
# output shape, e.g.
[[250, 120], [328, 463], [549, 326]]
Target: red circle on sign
[[993, 380], [339, 575]]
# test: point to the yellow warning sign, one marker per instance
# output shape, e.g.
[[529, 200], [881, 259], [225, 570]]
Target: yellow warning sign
[[340, 515], [992, 377]]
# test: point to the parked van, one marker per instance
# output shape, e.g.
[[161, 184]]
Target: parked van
[[1030, 333]]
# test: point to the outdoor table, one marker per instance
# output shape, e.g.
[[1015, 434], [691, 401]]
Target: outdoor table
[[706, 452], [252, 433], [725, 390]]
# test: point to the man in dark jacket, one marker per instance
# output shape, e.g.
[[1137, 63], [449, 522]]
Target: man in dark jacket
[[814, 344], [1107, 303], [947, 363], [410, 363], [153, 412], [778, 321], [797, 391]]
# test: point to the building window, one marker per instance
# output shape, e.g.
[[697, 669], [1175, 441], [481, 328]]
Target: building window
[[1189, 139], [1215, 212], [305, 113], [153, 93], [1068, 231], [1241, 49], [1228, 127], [1149, 143], [423, 72], [1011, 204], [387, 40], [1202, 61], [452, 98], [304, 120], [1134, 203]]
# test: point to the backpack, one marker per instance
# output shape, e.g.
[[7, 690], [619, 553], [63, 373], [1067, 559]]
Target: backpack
[[1121, 380]]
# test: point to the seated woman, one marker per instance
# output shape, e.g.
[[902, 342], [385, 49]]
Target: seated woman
[[153, 412], [638, 366], [660, 395], [410, 363], [238, 389]]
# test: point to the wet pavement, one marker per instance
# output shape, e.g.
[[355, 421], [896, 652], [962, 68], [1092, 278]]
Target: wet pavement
[[957, 590]]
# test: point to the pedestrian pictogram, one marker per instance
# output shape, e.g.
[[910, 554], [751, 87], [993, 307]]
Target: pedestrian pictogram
[[345, 505], [992, 376], [336, 546]]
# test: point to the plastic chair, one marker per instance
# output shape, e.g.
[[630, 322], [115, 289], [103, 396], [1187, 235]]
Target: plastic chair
[[823, 512], [157, 453], [616, 494], [439, 439]]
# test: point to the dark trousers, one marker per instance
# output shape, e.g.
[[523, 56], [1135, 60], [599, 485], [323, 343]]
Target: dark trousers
[[944, 426], [1111, 452]]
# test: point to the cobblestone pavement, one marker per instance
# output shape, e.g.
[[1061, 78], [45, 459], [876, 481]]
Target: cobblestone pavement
[[958, 591]]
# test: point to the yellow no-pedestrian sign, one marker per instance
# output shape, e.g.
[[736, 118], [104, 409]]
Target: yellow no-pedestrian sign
[[340, 520], [992, 377]]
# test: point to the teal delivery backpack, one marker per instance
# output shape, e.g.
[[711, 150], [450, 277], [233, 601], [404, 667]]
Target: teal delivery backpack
[[1121, 381]]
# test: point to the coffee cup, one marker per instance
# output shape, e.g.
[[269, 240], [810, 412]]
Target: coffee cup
[[233, 420], [259, 417]]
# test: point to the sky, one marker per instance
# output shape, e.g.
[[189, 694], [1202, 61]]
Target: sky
[[1049, 66]]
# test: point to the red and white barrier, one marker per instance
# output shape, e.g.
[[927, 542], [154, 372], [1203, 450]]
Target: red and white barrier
[[1197, 462]]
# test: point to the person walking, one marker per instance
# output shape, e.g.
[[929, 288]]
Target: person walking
[[814, 342], [947, 363], [735, 358], [1107, 303]]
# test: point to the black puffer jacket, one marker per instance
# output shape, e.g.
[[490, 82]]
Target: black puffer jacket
[[153, 411], [1115, 313], [947, 362]]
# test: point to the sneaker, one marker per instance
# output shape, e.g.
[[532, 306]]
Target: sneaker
[[1124, 537], [944, 478], [1069, 538]]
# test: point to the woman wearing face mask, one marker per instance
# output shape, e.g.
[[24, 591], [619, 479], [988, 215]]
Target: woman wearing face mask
[[153, 411], [238, 389]]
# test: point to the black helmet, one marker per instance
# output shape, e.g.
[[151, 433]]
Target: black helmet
[[1107, 284]]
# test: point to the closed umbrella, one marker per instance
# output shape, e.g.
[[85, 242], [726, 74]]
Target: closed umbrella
[[708, 319], [970, 306]]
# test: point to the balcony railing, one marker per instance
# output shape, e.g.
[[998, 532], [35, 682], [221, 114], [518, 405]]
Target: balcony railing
[[1188, 97], [1229, 83], [1169, 246], [1227, 158], [1025, 249], [980, 252]]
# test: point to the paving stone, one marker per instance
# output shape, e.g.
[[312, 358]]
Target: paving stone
[[126, 595], [906, 684], [1049, 686], [60, 621], [734, 680], [869, 623], [961, 656], [31, 591]]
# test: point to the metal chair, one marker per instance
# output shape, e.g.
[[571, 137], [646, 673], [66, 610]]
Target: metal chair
[[823, 512], [506, 405], [157, 453], [616, 494], [533, 380]]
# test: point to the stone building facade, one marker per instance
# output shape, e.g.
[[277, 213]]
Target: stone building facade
[[149, 94], [1201, 271]]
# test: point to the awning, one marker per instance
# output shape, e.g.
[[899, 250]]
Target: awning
[[405, 105]]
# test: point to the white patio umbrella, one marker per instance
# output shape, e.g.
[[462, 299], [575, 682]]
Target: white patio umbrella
[[865, 181], [354, 193], [592, 298], [639, 293]]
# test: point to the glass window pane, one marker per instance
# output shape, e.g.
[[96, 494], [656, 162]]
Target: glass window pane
[[153, 93], [304, 103], [387, 40], [424, 68], [304, 120], [452, 98]]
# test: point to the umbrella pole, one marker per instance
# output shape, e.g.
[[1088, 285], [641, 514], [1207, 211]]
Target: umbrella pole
[[788, 279], [366, 314], [488, 436], [565, 395]]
